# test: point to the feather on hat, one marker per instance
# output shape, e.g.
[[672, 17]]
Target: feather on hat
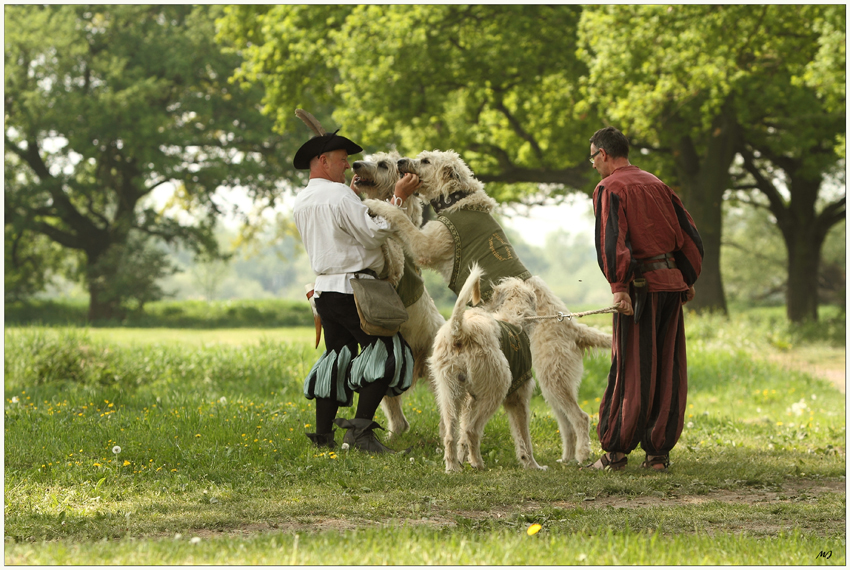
[[322, 142]]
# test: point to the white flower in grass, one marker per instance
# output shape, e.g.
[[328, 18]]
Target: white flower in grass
[[344, 446], [690, 424], [195, 540], [222, 400], [412, 460], [178, 536], [438, 451], [116, 450], [797, 408], [15, 400]]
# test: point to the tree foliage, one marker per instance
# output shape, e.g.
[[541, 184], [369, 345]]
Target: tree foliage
[[704, 83], [105, 105], [694, 87], [489, 81]]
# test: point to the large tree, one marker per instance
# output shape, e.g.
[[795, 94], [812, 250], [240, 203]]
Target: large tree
[[106, 104], [704, 82], [519, 100]]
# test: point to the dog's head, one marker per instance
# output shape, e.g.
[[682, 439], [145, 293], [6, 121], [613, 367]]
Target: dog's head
[[375, 178], [441, 173], [513, 301]]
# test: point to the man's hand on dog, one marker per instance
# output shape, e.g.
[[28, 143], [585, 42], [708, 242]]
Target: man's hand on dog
[[406, 186]]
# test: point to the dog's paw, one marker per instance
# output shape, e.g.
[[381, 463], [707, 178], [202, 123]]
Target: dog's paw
[[381, 208], [582, 454]]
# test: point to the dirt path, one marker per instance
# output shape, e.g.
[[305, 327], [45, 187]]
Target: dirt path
[[792, 491], [828, 363]]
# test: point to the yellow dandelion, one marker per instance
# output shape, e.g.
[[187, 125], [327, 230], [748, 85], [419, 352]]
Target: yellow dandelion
[[197, 435], [95, 464], [126, 463], [533, 529]]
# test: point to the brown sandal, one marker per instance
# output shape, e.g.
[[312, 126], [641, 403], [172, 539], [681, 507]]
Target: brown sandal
[[605, 463], [658, 463]]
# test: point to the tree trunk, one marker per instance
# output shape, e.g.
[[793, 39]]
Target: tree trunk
[[704, 203], [104, 303], [803, 266], [804, 233], [705, 177], [102, 306]]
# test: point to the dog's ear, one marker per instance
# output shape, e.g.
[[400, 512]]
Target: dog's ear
[[449, 174]]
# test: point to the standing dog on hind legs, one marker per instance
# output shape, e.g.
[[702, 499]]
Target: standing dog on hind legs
[[482, 359], [376, 178], [465, 231]]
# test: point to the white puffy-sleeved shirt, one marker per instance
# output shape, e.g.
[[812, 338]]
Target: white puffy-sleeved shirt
[[339, 235]]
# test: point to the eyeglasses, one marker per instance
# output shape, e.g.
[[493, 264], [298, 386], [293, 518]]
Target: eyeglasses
[[592, 156]]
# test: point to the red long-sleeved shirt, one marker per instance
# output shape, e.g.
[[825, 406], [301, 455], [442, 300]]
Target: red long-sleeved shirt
[[638, 217]]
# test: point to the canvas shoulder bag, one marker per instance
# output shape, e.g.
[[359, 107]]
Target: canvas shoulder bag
[[379, 307]]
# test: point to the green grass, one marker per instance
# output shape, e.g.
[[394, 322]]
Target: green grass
[[419, 546], [125, 336], [212, 446], [168, 314]]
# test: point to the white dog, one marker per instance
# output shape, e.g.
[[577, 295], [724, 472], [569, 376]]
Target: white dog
[[375, 178], [472, 371], [557, 347]]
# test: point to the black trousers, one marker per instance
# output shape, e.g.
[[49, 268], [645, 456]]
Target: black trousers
[[330, 381]]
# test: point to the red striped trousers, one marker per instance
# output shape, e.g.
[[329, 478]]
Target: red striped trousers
[[646, 398]]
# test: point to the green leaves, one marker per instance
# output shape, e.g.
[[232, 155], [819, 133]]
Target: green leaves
[[488, 81]]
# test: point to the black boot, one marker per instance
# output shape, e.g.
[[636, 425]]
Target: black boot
[[360, 435], [322, 439]]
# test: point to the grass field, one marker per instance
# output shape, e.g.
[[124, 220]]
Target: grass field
[[163, 446]]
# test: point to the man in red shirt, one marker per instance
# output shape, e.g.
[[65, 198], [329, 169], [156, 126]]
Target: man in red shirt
[[651, 253]]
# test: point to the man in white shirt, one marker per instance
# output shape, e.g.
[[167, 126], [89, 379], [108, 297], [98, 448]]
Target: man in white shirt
[[343, 241]]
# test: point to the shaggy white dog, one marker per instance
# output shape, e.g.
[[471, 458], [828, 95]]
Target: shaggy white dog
[[376, 178], [557, 346], [472, 374]]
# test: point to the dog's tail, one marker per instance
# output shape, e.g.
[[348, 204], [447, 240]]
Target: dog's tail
[[471, 291], [590, 337]]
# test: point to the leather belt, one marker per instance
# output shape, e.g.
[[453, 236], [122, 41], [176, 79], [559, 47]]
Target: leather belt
[[367, 272], [663, 261]]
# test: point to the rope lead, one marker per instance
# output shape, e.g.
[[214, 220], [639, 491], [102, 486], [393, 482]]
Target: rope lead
[[561, 316]]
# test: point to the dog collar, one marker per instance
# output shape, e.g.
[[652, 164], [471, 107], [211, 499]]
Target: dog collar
[[441, 203]]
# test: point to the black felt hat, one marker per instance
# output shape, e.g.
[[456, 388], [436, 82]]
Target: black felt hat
[[322, 143]]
